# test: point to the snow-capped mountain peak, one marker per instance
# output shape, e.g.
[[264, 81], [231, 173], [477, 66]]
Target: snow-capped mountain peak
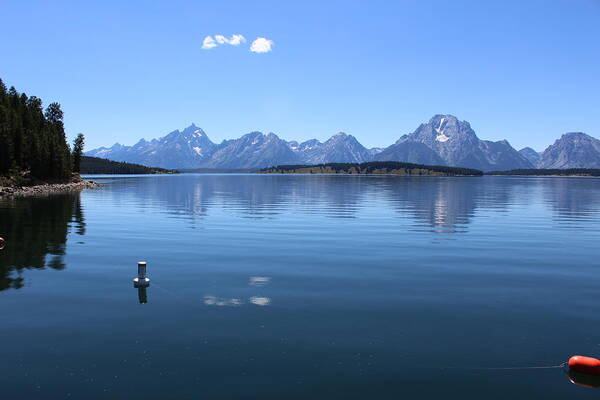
[[443, 140], [447, 140], [178, 149]]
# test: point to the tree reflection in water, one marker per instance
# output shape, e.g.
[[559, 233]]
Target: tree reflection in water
[[36, 229]]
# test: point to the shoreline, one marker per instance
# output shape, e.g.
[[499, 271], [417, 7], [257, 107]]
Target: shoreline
[[546, 176], [46, 189], [369, 174]]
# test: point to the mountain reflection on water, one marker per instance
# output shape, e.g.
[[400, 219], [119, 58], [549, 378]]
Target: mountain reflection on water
[[36, 229], [298, 287], [434, 204]]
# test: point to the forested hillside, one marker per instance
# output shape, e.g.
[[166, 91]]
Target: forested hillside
[[372, 168], [95, 165], [32, 139]]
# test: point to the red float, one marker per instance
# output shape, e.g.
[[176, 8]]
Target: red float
[[585, 365]]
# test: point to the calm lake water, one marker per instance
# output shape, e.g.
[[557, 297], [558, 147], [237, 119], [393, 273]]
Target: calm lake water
[[297, 287]]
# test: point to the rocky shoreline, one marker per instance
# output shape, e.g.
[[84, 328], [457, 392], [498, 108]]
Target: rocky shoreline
[[46, 188]]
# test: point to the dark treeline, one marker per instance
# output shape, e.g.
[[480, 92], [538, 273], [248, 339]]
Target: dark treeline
[[370, 167], [32, 139], [554, 172], [95, 165]]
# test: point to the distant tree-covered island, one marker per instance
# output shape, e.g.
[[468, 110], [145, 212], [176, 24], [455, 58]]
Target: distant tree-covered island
[[373, 168], [549, 172], [95, 165]]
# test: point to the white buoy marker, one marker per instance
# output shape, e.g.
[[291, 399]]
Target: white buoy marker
[[141, 280]]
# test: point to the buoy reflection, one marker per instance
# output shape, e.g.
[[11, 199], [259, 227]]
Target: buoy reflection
[[142, 295], [588, 381]]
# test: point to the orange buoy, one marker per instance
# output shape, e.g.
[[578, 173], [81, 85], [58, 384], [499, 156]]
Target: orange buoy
[[585, 365], [1, 243]]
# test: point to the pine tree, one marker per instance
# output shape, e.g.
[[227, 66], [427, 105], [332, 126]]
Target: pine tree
[[77, 151], [31, 140]]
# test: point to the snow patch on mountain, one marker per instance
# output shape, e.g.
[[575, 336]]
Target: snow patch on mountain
[[442, 138], [439, 129], [464, 150]]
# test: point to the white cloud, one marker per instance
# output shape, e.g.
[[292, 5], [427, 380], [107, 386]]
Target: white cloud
[[236, 40], [221, 39], [210, 42], [261, 45]]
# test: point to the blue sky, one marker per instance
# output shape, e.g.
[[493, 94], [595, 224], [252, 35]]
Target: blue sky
[[526, 71]]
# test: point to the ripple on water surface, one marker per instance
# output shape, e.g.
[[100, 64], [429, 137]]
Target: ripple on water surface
[[268, 286]]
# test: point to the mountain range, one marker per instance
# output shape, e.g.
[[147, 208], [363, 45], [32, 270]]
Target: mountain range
[[572, 150], [443, 140]]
